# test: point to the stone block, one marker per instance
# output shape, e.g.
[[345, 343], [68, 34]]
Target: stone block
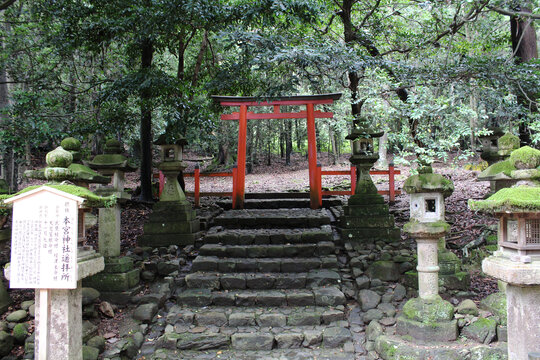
[[381, 221], [271, 320], [205, 263], [301, 318], [259, 281], [202, 280], [233, 281], [242, 319], [222, 298], [334, 337], [236, 251], [275, 251], [271, 298], [247, 298], [330, 296], [113, 282], [246, 265], [145, 312], [199, 342], [301, 298], [256, 251], [312, 338], [323, 277], [118, 264], [194, 297], [368, 299], [433, 331], [482, 330], [502, 333], [290, 281], [211, 318], [252, 341], [269, 265], [384, 270], [289, 340]]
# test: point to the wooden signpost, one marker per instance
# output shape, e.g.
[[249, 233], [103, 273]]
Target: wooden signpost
[[44, 257]]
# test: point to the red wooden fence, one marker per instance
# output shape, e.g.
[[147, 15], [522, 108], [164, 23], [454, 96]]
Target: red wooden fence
[[391, 172]]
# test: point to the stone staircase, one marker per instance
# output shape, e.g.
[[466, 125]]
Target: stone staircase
[[266, 285]]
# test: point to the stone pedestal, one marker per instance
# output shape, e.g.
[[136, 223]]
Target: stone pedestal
[[523, 303], [366, 218], [173, 221]]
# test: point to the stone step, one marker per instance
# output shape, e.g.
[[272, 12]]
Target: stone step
[[285, 265], [285, 203], [184, 317], [263, 251], [219, 235], [272, 218], [151, 353], [326, 296], [262, 281]]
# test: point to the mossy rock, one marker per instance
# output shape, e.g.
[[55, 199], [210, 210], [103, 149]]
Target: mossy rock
[[82, 172], [20, 333], [423, 183], [428, 311], [482, 330], [71, 144], [508, 142], [496, 304], [518, 199], [502, 167], [108, 159], [525, 158]]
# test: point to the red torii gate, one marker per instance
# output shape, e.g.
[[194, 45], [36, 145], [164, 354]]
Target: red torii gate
[[243, 116]]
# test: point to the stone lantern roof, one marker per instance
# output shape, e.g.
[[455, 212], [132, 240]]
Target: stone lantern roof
[[112, 158], [171, 139], [512, 200], [426, 183]]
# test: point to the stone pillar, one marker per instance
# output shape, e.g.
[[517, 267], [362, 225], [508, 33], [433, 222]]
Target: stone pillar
[[109, 231], [428, 268], [522, 301]]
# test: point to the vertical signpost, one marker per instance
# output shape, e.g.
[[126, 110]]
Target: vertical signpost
[[44, 257]]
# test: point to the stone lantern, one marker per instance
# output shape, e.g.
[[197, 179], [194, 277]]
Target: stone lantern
[[517, 262], [427, 226], [173, 221], [490, 146], [120, 280], [366, 219]]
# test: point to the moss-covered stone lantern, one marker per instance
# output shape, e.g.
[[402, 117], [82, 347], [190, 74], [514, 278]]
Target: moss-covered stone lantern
[[427, 226], [490, 145], [517, 262], [173, 221]]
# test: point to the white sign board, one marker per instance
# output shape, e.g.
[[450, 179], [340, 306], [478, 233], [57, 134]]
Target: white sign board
[[44, 239]]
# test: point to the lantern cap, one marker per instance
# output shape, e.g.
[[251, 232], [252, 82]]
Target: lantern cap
[[499, 170], [517, 199], [423, 183], [362, 130], [171, 139]]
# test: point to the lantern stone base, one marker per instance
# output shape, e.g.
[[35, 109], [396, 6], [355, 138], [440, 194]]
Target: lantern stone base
[[118, 282], [428, 320], [366, 219], [523, 303], [171, 223]]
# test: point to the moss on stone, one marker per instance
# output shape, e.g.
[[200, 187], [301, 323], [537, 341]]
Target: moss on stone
[[437, 227], [525, 158], [71, 144], [422, 183], [508, 141], [91, 199], [428, 312], [518, 199], [108, 159], [504, 167], [59, 157]]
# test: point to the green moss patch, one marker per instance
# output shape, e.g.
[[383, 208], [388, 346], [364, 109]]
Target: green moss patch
[[71, 144], [91, 199], [504, 167], [508, 141], [518, 199], [525, 158], [422, 183]]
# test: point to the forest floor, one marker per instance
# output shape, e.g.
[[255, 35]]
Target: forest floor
[[466, 227]]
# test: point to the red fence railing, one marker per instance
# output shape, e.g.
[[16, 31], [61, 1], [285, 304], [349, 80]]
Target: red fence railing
[[197, 175]]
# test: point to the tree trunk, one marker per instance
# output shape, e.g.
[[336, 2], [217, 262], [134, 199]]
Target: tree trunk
[[288, 134], [332, 139], [281, 139], [525, 49], [249, 165], [147, 52], [298, 135]]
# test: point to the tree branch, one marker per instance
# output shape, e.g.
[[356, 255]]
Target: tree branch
[[6, 4], [514, 13]]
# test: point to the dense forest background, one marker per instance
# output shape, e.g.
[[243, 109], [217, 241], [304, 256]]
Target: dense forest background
[[433, 74]]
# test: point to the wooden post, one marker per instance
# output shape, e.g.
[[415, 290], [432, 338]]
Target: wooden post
[[234, 180], [241, 159], [391, 192], [197, 185], [319, 183], [312, 157], [353, 179], [44, 323]]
